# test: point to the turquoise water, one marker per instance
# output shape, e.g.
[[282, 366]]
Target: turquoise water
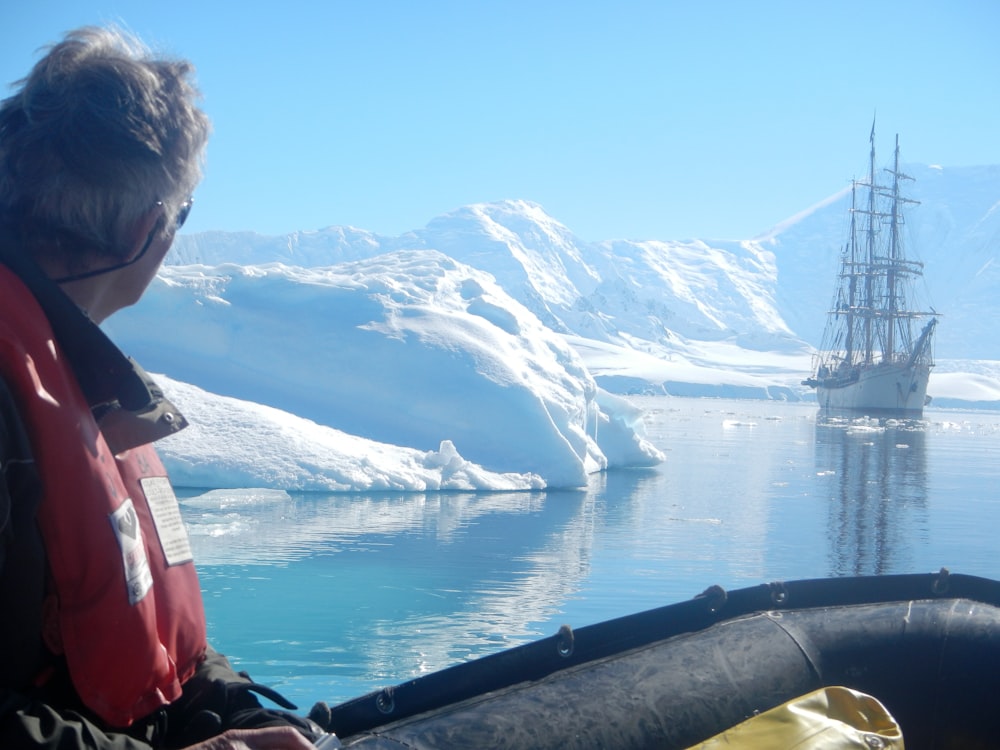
[[328, 597]]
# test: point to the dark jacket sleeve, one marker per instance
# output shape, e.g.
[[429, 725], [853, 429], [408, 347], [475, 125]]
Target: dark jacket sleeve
[[30, 724], [215, 699], [218, 698]]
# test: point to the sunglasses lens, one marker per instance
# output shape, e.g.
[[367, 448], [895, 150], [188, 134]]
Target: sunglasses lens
[[183, 213]]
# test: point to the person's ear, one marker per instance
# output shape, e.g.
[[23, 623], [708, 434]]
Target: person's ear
[[140, 236]]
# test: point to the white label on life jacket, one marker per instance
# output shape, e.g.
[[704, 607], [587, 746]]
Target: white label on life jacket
[[137, 576], [167, 518]]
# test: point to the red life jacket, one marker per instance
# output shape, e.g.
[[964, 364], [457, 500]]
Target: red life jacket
[[128, 613]]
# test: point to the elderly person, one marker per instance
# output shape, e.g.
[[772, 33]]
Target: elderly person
[[102, 637]]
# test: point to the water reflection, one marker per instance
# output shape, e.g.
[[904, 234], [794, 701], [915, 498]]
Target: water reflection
[[878, 492], [349, 592]]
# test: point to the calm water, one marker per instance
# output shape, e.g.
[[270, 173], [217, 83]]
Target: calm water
[[329, 597]]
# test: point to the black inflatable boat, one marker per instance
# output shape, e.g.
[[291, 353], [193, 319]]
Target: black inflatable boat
[[926, 646]]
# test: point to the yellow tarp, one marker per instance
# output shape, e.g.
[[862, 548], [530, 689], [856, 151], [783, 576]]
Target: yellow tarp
[[833, 718]]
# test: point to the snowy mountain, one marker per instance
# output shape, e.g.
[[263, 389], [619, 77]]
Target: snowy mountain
[[615, 291], [672, 299]]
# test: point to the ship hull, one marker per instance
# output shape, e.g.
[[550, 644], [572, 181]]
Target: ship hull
[[886, 388]]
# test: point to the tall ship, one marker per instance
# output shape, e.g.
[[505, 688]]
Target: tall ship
[[875, 357]]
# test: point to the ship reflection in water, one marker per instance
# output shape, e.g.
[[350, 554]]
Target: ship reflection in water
[[879, 496]]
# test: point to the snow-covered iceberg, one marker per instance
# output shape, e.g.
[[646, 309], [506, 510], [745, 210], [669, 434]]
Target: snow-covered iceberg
[[410, 349]]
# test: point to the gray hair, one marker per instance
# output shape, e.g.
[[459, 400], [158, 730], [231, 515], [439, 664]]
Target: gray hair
[[98, 133]]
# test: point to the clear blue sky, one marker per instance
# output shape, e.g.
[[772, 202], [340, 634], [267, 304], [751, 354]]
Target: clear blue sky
[[623, 119]]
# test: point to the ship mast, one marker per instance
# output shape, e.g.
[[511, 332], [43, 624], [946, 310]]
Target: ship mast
[[868, 301], [852, 289], [886, 321], [897, 266], [890, 273]]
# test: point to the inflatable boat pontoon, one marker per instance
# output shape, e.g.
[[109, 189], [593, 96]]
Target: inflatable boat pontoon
[[926, 646]]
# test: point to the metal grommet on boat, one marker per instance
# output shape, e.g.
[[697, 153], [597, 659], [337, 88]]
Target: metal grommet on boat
[[873, 741], [385, 701], [779, 594], [565, 641], [940, 584], [715, 597]]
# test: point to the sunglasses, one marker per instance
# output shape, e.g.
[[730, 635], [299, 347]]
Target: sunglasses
[[182, 214]]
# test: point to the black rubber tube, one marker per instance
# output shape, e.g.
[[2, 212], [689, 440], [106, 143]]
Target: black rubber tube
[[934, 663]]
